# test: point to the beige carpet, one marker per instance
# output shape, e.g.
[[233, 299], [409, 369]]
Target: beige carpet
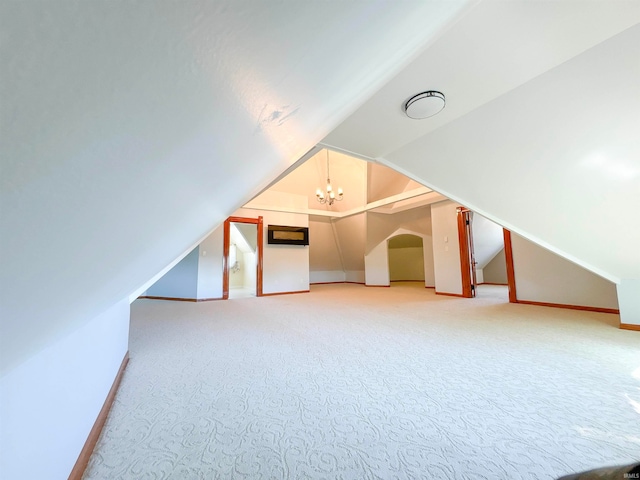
[[349, 382]]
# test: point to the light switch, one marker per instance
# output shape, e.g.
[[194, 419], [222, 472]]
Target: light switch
[[446, 239]]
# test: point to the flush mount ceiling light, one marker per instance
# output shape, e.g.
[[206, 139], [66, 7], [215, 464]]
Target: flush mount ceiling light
[[424, 105]]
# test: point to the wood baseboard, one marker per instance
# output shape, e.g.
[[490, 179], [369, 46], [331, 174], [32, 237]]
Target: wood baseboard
[[376, 285], [492, 283], [570, 307], [427, 286], [94, 434], [173, 299], [421, 281], [335, 283], [179, 299], [451, 294], [284, 293], [630, 326]]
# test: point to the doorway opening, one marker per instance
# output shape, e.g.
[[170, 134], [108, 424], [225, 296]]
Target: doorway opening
[[406, 258], [483, 256], [242, 262]]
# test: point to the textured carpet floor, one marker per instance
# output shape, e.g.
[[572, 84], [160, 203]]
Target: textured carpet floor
[[349, 382]]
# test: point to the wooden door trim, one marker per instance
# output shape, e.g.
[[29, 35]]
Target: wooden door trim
[[511, 275], [225, 252], [463, 243]]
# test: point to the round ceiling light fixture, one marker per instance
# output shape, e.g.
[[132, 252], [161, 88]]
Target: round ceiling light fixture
[[424, 105]]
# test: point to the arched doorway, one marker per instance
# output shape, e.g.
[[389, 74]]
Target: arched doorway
[[406, 258]]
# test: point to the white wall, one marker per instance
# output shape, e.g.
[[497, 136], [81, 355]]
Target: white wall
[[496, 270], [548, 164], [51, 401], [210, 265], [250, 271], [542, 276], [237, 278], [488, 239], [446, 250], [285, 267], [179, 282], [325, 262], [629, 300], [376, 265], [327, 276], [380, 227], [429, 266], [406, 264], [351, 233]]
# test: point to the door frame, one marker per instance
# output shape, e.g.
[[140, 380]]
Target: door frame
[[511, 275], [467, 258], [225, 255]]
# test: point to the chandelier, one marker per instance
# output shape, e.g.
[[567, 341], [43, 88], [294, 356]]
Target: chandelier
[[330, 196]]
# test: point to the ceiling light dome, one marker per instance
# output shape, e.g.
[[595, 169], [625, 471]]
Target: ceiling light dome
[[424, 105]]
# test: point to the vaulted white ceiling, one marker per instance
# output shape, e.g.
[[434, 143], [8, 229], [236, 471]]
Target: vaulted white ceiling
[[130, 131]]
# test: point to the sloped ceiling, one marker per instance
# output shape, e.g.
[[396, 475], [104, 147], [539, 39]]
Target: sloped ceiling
[[539, 133], [347, 172], [131, 130], [495, 48]]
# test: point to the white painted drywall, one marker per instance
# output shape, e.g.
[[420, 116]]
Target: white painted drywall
[[136, 129], [496, 270], [446, 250], [324, 255], [376, 265], [488, 239], [285, 267], [629, 301], [179, 282], [50, 402], [549, 165], [250, 270], [355, 276], [210, 265], [381, 227], [406, 264], [429, 268], [351, 234], [330, 276], [236, 278], [543, 276]]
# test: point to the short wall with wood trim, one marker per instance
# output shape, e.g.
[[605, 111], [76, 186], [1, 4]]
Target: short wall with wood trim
[[459, 295], [570, 307], [50, 402], [284, 293], [543, 278], [176, 299], [94, 435]]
